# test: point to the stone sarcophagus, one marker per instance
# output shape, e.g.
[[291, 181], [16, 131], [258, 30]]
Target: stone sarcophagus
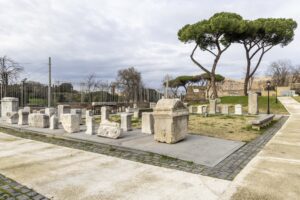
[[170, 121]]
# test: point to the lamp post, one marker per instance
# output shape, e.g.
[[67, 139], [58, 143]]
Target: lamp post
[[268, 88], [276, 94]]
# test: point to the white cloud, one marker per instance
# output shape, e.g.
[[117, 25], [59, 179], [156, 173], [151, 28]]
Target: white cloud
[[102, 36]]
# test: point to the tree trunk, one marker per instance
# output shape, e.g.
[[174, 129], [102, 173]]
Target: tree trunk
[[246, 82], [213, 85]]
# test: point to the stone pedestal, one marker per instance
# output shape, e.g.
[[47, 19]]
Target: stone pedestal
[[12, 117], [70, 123], [170, 121], [252, 103], [225, 109], [202, 109], [77, 112], [88, 113], [9, 104], [147, 123], [238, 109], [126, 121], [63, 109], [53, 122], [38, 120], [136, 114], [104, 114], [27, 109], [23, 117], [212, 106], [90, 125]]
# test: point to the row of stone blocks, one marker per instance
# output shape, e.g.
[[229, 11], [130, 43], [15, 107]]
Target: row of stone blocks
[[214, 109]]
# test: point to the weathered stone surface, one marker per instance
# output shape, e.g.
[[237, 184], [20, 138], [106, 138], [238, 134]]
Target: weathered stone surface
[[53, 122], [126, 121], [202, 109], [212, 106], [129, 110], [78, 112], [147, 123], [193, 109], [50, 111], [90, 125], [27, 109], [89, 113], [12, 117], [63, 109], [38, 120], [225, 109], [104, 114], [109, 129], [238, 109], [9, 104], [152, 104], [170, 121], [252, 103], [23, 117], [70, 123], [136, 114]]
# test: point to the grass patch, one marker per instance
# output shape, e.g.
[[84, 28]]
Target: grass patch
[[297, 98], [227, 127], [276, 108]]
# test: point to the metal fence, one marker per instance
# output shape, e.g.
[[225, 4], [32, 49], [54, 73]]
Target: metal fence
[[36, 94]]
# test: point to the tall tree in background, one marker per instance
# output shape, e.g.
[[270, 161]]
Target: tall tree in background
[[260, 36], [130, 82], [9, 71], [214, 35], [280, 71]]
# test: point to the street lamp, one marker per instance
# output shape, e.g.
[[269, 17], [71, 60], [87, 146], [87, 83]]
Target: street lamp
[[268, 88], [276, 94]]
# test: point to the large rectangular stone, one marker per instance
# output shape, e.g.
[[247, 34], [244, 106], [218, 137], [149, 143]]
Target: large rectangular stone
[[38, 120], [147, 123], [70, 123], [9, 104], [126, 121]]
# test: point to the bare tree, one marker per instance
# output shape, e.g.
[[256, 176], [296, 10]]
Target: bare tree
[[9, 71], [295, 74], [91, 84], [280, 72], [129, 81]]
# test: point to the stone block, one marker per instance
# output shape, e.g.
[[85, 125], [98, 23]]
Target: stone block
[[70, 123], [253, 103], [225, 109], [104, 114], [212, 106], [109, 129], [90, 125], [38, 120], [238, 109], [63, 109], [170, 121], [9, 104], [152, 104], [12, 117], [147, 123], [201, 109], [53, 122], [78, 112], [50, 111], [27, 109], [41, 111], [126, 121], [23, 117]]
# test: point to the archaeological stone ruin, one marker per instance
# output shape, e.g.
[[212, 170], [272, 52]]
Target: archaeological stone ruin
[[170, 121]]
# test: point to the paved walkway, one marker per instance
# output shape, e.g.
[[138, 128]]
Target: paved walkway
[[64, 173], [275, 172]]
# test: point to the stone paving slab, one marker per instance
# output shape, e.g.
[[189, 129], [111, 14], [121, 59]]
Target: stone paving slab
[[203, 150], [227, 169], [66, 173], [275, 172]]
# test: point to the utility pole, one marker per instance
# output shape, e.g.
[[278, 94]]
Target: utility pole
[[49, 86]]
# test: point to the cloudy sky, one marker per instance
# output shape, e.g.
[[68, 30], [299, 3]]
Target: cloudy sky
[[103, 36]]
